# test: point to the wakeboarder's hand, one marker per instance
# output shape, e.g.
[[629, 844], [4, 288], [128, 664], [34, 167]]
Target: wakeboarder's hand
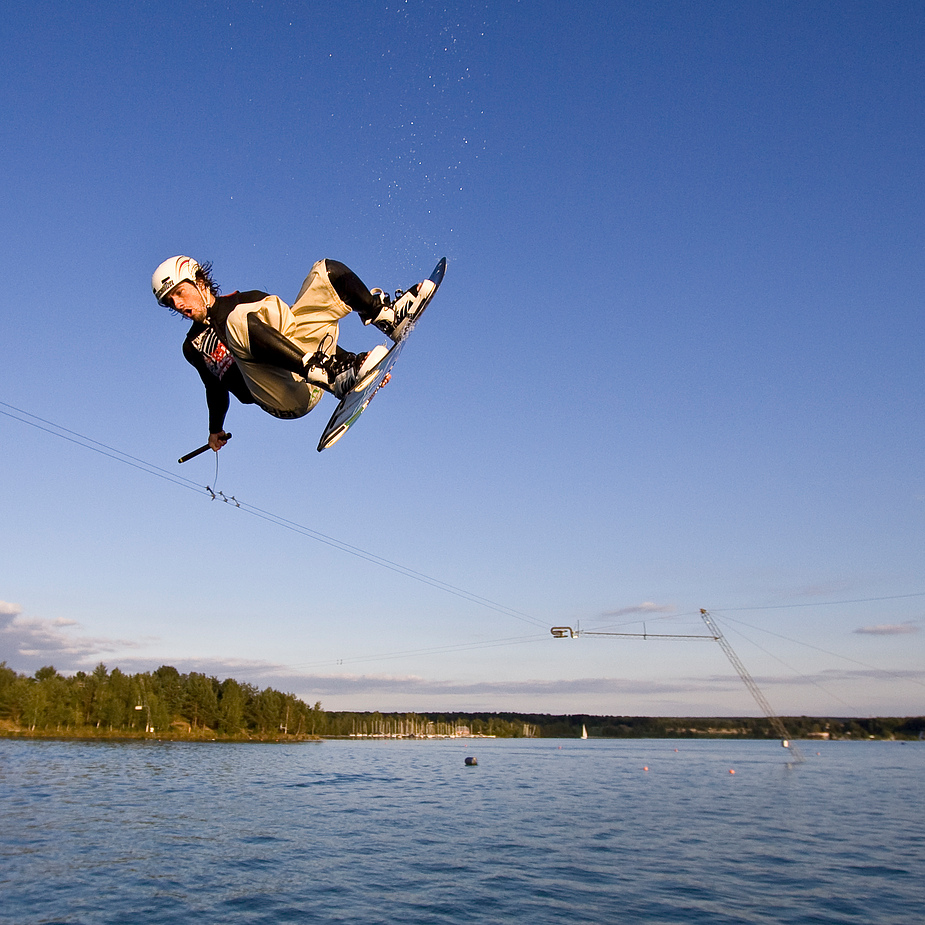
[[217, 441]]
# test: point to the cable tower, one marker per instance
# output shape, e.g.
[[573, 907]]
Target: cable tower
[[776, 722]]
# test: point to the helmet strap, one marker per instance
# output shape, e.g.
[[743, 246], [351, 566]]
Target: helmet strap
[[207, 298]]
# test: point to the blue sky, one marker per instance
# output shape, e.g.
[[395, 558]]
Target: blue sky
[[676, 362]]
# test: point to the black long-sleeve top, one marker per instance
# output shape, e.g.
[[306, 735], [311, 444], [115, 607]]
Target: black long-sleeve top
[[206, 348]]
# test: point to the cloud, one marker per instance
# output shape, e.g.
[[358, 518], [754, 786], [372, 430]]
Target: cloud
[[349, 684], [32, 643], [889, 629], [29, 644], [639, 609], [372, 688], [832, 676]]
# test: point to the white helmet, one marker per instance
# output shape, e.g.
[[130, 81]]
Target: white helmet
[[170, 274]]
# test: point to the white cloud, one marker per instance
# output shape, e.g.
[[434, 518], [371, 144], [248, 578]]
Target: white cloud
[[28, 643], [889, 629]]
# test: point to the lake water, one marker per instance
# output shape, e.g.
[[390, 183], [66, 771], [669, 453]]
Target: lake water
[[541, 831]]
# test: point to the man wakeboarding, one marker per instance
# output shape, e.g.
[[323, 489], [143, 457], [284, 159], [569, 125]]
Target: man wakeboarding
[[254, 346]]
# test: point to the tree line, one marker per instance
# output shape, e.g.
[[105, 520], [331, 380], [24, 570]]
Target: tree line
[[165, 703], [676, 727], [160, 702]]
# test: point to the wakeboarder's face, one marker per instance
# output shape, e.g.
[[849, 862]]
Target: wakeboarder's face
[[189, 301]]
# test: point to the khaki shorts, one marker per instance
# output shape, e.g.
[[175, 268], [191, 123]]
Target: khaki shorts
[[312, 319]]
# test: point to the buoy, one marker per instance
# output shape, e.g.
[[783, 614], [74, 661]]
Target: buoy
[[731, 771], [645, 767], [471, 762]]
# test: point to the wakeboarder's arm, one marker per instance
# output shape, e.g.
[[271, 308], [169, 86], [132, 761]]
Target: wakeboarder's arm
[[217, 401], [217, 396], [222, 379]]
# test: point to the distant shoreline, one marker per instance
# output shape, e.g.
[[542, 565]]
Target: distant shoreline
[[208, 735], [205, 736], [165, 705]]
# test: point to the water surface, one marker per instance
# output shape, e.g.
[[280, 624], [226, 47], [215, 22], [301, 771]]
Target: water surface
[[541, 831]]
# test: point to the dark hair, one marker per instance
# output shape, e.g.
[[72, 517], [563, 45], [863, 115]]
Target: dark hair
[[205, 274]]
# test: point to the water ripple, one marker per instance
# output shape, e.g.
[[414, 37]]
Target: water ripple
[[542, 831]]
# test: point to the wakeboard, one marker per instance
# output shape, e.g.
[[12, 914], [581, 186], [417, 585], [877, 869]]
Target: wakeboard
[[356, 401]]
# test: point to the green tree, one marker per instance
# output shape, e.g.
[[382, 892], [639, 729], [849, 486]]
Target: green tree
[[230, 707], [200, 704], [35, 705], [316, 719], [120, 701], [266, 710], [93, 686], [9, 683], [167, 684]]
